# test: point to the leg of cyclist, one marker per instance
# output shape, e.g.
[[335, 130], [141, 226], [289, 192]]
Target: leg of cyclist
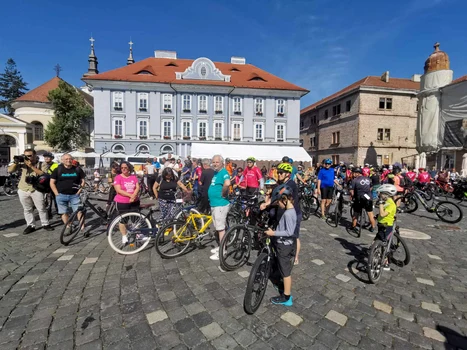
[[219, 216]]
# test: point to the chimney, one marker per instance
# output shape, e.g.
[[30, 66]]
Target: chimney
[[165, 54], [237, 60], [416, 78], [385, 77]]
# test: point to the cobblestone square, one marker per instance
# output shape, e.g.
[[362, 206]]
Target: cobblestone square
[[86, 296]]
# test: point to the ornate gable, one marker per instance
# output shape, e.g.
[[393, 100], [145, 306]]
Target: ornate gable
[[202, 69]]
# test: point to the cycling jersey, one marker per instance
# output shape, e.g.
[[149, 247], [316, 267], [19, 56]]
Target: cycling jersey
[[366, 172], [411, 175], [252, 176], [424, 178]]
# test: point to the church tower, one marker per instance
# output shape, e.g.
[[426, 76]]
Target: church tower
[[437, 74], [92, 67]]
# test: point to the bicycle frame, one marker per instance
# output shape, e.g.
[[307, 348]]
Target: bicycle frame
[[191, 219], [418, 195]]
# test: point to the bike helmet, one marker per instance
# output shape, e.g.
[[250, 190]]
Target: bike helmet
[[285, 159], [252, 159], [48, 154], [357, 170], [270, 182], [290, 160], [387, 189], [279, 191], [327, 161], [396, 170], [285, 167]]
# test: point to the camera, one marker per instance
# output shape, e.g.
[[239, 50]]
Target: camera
[[20, 159]]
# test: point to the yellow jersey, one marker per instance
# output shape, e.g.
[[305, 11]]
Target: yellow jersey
[[390, 208]]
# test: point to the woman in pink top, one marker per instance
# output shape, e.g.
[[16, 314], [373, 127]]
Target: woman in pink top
[[127, 187]]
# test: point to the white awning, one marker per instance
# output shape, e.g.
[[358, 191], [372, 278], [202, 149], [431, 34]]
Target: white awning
[[242, 152]]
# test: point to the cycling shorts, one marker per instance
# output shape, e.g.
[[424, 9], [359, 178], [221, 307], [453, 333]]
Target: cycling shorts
[[327, 192], [362, 203]]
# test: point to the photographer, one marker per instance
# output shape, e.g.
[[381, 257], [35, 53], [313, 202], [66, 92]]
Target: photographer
[[28, 195]]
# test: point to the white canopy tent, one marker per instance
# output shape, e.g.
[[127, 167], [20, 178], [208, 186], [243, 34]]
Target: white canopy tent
[[242, 152]]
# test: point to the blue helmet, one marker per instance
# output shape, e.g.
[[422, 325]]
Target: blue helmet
[[327, 161], [290, 160]]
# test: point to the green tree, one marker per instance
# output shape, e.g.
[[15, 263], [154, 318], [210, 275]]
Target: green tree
[[67, 129], [12, 86]]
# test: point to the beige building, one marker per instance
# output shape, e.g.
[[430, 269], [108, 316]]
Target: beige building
[[371, 121], [15, 134]]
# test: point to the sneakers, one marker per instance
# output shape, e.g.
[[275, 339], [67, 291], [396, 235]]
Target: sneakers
[[48, 228], [215, 250], [124, 239], [323, 217], [141, 237], [282, 300], [214, 256], [386, 267], [29, 230]]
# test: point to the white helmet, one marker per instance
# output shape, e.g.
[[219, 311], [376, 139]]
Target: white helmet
[[387, 189]]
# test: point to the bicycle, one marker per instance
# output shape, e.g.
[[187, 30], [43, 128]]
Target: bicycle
[[175, 237], [447, 211], [380, 251], [10, 187], [76, 220], [140, 228], [308, 202], [337, 205], [264, 268], [362, 219]]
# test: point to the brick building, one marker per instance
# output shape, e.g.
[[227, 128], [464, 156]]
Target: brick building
[[371, 121]]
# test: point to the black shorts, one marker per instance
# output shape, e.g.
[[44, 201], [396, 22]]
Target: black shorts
[[327, 192], [362, 203], [127, 207], [384, 232], [285, 258]]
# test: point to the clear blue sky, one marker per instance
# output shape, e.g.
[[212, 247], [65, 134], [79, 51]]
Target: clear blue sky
[[320, 45]]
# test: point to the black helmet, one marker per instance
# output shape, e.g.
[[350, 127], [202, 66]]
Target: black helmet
[[357, 170], [279, 191], [396, 170], [285, 159], [48, 154]]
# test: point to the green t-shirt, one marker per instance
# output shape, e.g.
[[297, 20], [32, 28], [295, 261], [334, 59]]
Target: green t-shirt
[[390, 208], [215, 189]]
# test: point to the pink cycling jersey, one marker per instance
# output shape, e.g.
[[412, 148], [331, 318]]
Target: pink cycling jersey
[[424, 177], [366, 172], [411, 175], [252, 176]]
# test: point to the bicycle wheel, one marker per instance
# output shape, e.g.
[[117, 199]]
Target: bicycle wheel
[[48, 205], [174, 238], [400, 254], [10, 188], [257, 284], [305, 209], [313, 204], [375, 261], [407, 204], [235, 248], [360, 222], [138, 230], [448, 212], [72, 227]]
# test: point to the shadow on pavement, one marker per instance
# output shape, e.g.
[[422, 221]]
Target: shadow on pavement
[[454, 339]]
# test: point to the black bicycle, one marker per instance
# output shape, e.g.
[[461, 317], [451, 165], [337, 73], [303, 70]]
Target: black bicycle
[[309, 204], [336, 208], [10, 187], [77, 219]]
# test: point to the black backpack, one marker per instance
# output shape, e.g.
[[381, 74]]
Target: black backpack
[[405, 181]]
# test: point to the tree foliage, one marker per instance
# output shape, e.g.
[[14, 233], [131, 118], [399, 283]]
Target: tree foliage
[[12, 86], [67, 129]]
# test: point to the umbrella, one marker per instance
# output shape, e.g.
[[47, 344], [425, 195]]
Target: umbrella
[[113, 155], [78, 154], [423, 160], [417, 162], [464, 164], [92, 155]]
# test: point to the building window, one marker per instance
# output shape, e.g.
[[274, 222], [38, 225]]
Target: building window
[[258, 106], [385, 103], [348, 104], [167, 149], [142, 149], [38, 131], [202, 130], [186, 103], [336, 110], [336, 137], [143, 128], [118, 148], [335, 159], [118, 100], [219, 104], [203, 104], [143, 102], [118, 128], [167, 102], [237, 105], [314, 119], [280, 108], [186, 129], [203, 72], [384, 135], [313, 141], [302, 124], [167, 129], [218, 130], [280, 132], [259, 136], [237, 131], [326, 114]]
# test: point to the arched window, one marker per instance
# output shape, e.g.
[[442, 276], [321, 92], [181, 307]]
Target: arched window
[[7, 141], [142, 148], [118, 148], [167, 149], [38, 131]]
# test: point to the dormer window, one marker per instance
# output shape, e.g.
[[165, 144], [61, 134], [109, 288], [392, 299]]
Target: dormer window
[[171, 64], [118, 100]]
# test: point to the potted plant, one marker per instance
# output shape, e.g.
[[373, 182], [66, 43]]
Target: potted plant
[[203, 111], [186, 137], [202, 137], [186, 110], [237, 113], [167, 110], [236, 139], [142, 137], [167, 137], [257, 140], [259, 113], [118, 136], [218, 138], [117, 108], [280, 114], [218, 112], [143, 109]]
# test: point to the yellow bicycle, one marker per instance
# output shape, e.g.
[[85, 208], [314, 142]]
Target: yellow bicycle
[[174, 238]]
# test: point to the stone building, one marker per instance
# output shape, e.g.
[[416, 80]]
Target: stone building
[[370, 121]]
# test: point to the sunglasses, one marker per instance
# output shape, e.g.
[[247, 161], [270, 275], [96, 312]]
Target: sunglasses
[[281, 172]]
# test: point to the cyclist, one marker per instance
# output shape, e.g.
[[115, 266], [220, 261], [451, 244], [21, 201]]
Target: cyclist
[[366, 170], [412, 175], [284, 242], [97, 178], [50, 166], [360, 191], [423, 177], [341, 170], [239, 181], [326, 181], [114, 171], [253, 176], [387, 213]]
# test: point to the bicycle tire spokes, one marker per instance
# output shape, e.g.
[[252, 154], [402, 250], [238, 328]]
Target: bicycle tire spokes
[[136, 229]]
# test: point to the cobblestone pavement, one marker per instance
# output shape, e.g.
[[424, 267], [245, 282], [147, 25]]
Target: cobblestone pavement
[[85, 296]]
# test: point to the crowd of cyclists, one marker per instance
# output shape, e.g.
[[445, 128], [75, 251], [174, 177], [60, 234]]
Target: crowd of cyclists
[[213, 183]]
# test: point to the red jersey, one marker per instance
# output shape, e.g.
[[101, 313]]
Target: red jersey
[[411, 175], [198, 172], [252, 176], [366, 172], [424, 177]]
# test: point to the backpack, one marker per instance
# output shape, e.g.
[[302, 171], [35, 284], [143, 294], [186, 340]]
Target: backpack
[[41, 183], [405, 181]]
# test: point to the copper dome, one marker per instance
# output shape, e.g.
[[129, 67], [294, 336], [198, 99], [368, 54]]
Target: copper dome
[[438, 60]]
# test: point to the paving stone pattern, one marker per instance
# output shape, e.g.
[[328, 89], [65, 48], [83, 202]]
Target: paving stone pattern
[[86, 296]]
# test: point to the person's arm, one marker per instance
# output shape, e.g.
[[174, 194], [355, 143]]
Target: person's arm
[[382, 212], [135, 194], [53, 187], [300, 179], [34, 168], [155, 189], [225, 188], [13, 167], [182, 186], [290, 224]]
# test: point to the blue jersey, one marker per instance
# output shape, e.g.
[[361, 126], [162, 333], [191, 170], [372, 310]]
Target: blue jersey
[[327, 177]]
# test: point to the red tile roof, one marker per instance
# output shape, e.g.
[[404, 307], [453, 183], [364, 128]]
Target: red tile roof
[[370, 81], [458, 80], [40, 93], [163, 71]]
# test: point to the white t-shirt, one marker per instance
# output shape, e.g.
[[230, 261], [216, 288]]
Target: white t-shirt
[[97, 175], [149, 169]]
